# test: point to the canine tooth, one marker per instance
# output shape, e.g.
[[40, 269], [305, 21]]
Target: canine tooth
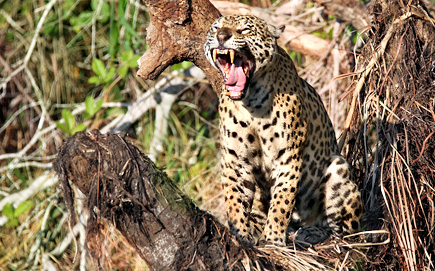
[[246, 70], [228, 94], [214, 54], [232, 54]]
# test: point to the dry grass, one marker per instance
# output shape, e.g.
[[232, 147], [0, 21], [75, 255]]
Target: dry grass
[[395, 137]]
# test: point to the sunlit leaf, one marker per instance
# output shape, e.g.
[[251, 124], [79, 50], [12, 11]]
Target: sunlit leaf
[[8, 211], [62, 127], [98, 67], [79, 128], [110, 74], [132, 63], [69, 118], [23, 207], [13, 222], [94, 80], [122, 72]]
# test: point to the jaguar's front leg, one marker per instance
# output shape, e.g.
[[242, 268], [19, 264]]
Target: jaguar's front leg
[[239, 191], [283, 195]]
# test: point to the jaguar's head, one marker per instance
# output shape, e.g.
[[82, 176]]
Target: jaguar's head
[[238, 46]]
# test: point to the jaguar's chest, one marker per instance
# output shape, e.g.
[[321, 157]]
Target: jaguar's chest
[[259, 130]]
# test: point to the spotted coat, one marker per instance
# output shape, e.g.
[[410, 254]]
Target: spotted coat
[[279, 153]]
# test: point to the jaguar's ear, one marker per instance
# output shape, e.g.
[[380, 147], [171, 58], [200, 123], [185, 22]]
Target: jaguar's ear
[[276, 31]]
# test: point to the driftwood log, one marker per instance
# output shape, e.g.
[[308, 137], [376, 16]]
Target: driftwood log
[[125, 189]]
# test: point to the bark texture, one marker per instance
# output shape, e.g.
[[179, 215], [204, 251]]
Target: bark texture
[[125, 189], [176, 33]]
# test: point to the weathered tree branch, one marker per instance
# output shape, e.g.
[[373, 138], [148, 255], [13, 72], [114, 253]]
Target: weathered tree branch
[[177, 33], [125, 189]]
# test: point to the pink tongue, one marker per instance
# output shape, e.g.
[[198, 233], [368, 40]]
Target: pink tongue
[[236, 80]]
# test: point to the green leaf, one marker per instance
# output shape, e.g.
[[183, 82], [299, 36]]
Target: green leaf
[[8, 211], [114, 112], [126, 55], [13, 222], [69, 118], [62, 127], [105, 13], [87, 115], [84, 18], [19, 175], [98, 105], [89, 104], [122, 72], [122, 4], [110, 74], [98, 67], [79, 128], [132, 63], [331, 33], [23, 207], [116, 95], [185, 64], [94, 80], [91, 107], [55, 213]]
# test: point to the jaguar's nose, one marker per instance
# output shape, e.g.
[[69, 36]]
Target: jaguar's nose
[[223, 34]]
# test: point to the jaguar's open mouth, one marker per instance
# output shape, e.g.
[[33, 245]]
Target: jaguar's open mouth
[[236, 68]]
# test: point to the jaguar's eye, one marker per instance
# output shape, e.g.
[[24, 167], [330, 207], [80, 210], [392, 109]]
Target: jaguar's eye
[[244, 31]]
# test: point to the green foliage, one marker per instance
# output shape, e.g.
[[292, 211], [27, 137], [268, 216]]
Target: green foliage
[[84, 18], [357, 36], [13, 213], [104, 13], [296, 57], [69, 127], [103, 76], [128, 60], [91, 108]]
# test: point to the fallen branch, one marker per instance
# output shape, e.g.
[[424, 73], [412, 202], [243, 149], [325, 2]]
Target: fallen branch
[[129, 192]]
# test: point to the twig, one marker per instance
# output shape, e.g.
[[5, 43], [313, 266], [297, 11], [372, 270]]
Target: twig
[[11, 21], [383, 45], [394, 60], [32, 45], [21, 89], [26, 164], [94, 21], [45, 180], [64, 244], [422, 148]]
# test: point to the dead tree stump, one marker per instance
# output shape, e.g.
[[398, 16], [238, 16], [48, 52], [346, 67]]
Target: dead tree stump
[[125, 189]]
